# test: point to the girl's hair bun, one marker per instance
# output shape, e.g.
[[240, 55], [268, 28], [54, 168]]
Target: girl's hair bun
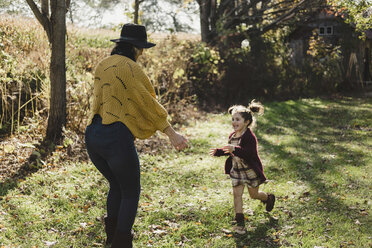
[[237, 108], [231, 109], [256, 107], [248, 112]]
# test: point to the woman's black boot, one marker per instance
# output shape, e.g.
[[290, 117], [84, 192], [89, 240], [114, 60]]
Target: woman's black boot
[[110, 228], [122, 240]]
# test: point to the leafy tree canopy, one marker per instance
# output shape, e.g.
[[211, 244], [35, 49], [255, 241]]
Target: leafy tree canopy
[[169, 15], [355, 12]]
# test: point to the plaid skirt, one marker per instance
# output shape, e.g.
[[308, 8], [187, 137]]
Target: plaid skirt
[[241, 173]]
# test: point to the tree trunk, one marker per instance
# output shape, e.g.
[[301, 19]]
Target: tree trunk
[[205, 7], [57, 107], [136, 11]]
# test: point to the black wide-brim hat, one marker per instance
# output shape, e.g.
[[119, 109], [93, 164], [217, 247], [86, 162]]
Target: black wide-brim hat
[[134, 34]]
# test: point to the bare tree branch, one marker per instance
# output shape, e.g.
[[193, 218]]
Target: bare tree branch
[[43, 19], [45, 8], [283, 17], [68, 3]]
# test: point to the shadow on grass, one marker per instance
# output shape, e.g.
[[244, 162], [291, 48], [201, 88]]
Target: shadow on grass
[[258, 237], [32, 165], [323, 135]]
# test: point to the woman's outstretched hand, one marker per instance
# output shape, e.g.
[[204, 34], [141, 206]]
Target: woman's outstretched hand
[[177, 140]]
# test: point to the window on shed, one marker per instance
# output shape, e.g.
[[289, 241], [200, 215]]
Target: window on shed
[[330, 30], [321, 30], [326, 30]]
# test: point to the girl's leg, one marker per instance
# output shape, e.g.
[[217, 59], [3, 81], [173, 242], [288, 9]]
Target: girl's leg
[[268, 199], [256, 194], [238, 198], [238, 204]]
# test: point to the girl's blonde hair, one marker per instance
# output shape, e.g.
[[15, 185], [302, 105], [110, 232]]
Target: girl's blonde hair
[[248, 113]]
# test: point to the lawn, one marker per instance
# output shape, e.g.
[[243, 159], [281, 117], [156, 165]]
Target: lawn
[[317, 155]]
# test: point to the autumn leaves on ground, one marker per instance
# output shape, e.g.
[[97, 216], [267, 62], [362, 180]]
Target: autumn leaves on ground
[[317, 154]]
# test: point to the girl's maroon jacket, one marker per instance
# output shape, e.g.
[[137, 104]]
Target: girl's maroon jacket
[[246, 150]]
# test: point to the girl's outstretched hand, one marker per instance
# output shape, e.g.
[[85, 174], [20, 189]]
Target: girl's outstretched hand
[[212, 151], [228, 148]]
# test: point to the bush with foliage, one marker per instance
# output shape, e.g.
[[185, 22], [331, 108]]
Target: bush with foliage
[[24, 73], [205, 70], [181, 70], [263, 69]]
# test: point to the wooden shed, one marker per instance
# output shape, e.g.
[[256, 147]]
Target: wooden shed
[[356, 66]]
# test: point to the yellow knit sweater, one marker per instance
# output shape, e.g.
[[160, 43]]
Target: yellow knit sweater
[[122, 92]]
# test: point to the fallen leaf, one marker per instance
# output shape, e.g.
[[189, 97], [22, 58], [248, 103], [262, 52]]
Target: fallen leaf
[[83, 225], [49, 243], [307, 193], [86, 208], [148, 197], [9, 148], [160, 232], [250, 212], [29, 145], [74, 197]]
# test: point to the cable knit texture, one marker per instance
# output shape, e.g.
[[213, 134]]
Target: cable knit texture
[[123, 92]]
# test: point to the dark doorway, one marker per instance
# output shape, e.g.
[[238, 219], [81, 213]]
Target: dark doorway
[[367, 63]]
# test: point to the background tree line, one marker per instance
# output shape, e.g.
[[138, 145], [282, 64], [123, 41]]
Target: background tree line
[[215, 69]]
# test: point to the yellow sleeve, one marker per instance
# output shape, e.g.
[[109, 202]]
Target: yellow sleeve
[[150, 108]]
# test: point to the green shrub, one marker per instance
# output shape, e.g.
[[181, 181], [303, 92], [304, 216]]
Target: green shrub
[[23, 69], [24, 74], [205, 71]]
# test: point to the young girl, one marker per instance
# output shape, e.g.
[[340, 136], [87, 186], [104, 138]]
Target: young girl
[[243, 164]]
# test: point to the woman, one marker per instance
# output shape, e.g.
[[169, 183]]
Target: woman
[[124, 108]]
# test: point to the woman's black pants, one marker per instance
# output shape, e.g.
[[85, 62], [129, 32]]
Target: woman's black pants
[[111, 149]]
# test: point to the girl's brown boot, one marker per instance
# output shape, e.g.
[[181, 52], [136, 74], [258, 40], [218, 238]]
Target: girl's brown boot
[[270, 202]]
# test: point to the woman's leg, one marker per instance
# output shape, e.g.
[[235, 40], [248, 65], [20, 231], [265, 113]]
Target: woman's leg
[[256, 194], [125, 166], [114, 195], [95, 150]]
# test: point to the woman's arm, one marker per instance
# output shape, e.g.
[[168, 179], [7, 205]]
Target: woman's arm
[[144, 94], [178, 141]]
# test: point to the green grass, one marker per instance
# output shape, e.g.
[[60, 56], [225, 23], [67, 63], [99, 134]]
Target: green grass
[[317, 154]]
